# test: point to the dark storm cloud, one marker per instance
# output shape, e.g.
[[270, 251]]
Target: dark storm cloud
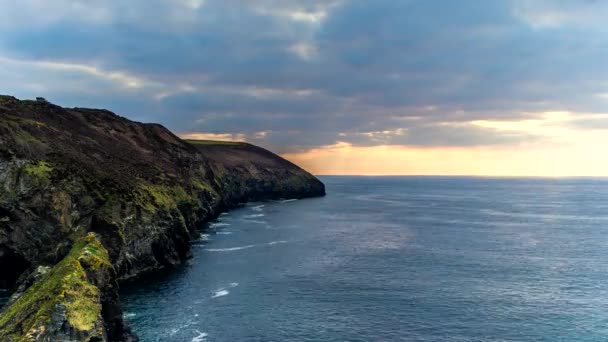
[[311, 73]]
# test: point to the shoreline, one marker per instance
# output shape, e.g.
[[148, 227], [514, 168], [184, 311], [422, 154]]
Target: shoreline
[[138, 188]]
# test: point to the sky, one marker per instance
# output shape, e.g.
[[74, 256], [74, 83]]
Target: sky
[[368, 87]]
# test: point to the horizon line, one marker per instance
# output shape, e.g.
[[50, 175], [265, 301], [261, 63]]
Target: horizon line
[[457, 176]]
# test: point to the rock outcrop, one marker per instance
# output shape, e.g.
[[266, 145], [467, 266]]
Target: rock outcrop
[[78, 176], [66, 303]]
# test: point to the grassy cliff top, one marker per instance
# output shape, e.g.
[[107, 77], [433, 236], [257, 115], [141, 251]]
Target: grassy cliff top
[[215, 142], [100, 145]]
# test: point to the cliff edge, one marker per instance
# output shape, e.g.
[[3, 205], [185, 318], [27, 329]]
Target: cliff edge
[[89, 198]]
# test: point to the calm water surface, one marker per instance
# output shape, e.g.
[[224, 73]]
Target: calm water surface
[[394, 259]]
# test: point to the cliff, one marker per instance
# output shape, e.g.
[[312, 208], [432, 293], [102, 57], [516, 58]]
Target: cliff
[[72, 178]]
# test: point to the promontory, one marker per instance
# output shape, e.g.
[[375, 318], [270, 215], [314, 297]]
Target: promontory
[[89, 198]]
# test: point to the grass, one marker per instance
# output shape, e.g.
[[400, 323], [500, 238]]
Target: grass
[[40, 171], [23, 137], [15, 125], [203, 186], [215, 142], [25, 121], [163, 196], [67, 285]]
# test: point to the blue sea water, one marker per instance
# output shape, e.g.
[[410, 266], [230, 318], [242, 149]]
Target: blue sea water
[[394, 259]]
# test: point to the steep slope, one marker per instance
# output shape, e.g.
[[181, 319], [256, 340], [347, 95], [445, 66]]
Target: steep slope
[[66, 303], [65, 173]]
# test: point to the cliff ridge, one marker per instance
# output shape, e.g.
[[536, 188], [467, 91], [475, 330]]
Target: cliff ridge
[[72, 174]]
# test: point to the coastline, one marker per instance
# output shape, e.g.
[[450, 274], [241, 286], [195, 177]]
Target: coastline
[[142, 191]]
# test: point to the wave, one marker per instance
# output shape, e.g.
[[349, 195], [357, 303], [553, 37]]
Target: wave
[[204, 237], [230, 249], [220, 293], [181, 327], [129, 314], [256, 221], [218, 224], [258, 207], [276, 242], [223, 233], [254, 216], [201, 337], [289, 200]]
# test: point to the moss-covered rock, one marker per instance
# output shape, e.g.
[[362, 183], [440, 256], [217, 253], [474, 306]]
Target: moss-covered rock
[[40, 171], [66, 303]]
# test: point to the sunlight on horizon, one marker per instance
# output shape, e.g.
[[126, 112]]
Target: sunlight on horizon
[[562, 150], [559, 161]]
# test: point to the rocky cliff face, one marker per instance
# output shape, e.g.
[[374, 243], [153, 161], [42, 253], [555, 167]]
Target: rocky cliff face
[[68, 301], [137, 189]]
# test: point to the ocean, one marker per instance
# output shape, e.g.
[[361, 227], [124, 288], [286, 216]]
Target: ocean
[[394, 259]]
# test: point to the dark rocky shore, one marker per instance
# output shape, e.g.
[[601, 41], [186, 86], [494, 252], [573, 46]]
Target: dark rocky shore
[[89, 198]]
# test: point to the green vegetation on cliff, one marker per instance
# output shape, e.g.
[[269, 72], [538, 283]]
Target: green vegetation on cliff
[[67, 292], [215, 142], [142, 190], [41, 171], [166, 197]]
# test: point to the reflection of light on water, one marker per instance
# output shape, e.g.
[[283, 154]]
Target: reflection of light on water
[[463, 261], [184, 326]]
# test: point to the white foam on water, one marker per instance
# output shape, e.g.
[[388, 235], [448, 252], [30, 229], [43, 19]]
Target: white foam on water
[[223, 233], [289, 200], [258, 207], [224, 214], [204, 237], [224, 290], [201, 337], [218, 224], [257, 221], [229, 249], [129, 314], [220, 293], [276, 242], [254, 216], [176, 330]]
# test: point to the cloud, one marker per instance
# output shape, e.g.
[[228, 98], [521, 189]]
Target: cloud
[[583, 14], [455, 135], [315, 73]]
